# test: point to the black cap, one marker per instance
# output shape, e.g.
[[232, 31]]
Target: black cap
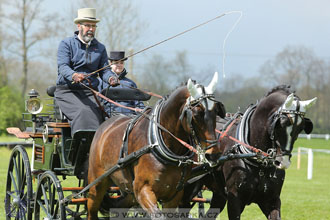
[[117, 55]]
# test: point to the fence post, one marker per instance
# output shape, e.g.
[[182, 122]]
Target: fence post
[[310, 164], [298, 158]]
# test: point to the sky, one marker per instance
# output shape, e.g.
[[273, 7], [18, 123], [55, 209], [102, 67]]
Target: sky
[[264, 30]]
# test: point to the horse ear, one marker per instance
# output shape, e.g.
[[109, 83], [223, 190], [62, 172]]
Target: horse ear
[[288, 101], [213, 84], [192, 88], [304, 105], [221, 110], [308, 126]]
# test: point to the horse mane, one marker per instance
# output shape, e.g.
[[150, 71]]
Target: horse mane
[[285, 88], [179, 86]]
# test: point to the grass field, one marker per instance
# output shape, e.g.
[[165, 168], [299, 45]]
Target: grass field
[[302, 199]]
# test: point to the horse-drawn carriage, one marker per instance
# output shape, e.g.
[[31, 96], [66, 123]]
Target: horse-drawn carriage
[[149, 159], [54, 153]]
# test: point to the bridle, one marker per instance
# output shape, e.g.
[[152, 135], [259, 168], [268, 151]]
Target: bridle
[[276, 150], [277, 115], [188, 112]]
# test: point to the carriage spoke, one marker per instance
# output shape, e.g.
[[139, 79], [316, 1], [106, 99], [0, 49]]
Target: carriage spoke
[[11, 211], [43, 208], [14, 182], [10, 193], [18, 169], [23, 183], [45, 197], [17, 173], [22, 213], [52, 194]]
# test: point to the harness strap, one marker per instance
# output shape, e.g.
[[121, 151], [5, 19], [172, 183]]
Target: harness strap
[[97, 101], [130, 125], [256, 150], [121, 163]]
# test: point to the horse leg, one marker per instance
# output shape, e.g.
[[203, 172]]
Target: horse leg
[[148, 201], [234, 207], [95, 197], [174, 203], [217, 204], [271, 209]]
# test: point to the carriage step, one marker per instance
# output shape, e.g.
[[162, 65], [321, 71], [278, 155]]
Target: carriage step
[[58, 124]]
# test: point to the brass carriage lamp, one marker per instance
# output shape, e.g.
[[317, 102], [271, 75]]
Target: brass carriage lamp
[[33, 105]]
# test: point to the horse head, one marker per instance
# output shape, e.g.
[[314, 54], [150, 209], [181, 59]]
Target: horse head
[[199, 113], [286, 124], [276, 123]]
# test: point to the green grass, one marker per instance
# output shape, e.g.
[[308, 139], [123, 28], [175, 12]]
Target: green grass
[[302, 199], [10, 139]]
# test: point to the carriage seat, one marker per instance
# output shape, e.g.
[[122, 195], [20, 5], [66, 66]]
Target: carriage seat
[[51, 90], [57, 111]]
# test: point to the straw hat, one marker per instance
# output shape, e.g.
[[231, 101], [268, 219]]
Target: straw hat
[[86, 14]]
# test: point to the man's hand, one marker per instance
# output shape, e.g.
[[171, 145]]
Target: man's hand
[[78, 77], [114, 81]]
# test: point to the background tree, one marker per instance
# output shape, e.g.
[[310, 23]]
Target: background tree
[[11, 107], [27, 29], [3, 72], [293, 65]]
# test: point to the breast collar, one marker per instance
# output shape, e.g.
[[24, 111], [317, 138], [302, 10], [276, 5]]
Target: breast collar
[[160, 150], [243, 129]]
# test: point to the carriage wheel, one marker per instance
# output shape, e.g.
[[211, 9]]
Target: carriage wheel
[[47, 198], [19, 186]]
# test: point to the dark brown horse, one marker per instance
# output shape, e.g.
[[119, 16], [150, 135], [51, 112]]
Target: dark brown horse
[[158, 175], [272, 126]]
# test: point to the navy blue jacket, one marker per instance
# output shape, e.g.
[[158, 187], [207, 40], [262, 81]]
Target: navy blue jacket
[[75, 56], [124, 83]]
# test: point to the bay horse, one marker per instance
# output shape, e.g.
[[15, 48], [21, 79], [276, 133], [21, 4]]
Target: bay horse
[[189, 114], [271, 126]]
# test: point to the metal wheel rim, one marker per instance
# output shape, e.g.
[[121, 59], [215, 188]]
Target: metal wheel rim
[[19, 186], [47, 198]]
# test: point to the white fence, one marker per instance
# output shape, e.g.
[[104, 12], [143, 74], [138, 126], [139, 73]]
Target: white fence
[[309, 136], [310, 159]]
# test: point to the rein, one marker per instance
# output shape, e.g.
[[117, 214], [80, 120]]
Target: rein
[[191, 148], [256, 150], [146, 92]]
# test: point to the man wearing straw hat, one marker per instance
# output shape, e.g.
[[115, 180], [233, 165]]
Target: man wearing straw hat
[[78, 56]]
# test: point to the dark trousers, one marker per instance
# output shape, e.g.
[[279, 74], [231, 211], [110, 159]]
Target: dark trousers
[[80, 108]]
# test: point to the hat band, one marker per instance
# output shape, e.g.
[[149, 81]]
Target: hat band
[[89, 18]]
